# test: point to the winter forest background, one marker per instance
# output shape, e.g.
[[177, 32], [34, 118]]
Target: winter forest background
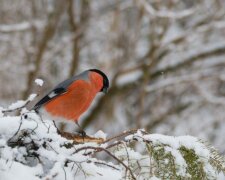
[[165, 60]]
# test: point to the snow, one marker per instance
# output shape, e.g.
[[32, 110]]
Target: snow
[[54, 155], [17, 104], [7, 122], [58, 161], [20, 104], [127, 78], [18, 171], [32, 97], [173, 144], [100, 134], [177, 142], [39, 82], [179, 161], [154, 178]]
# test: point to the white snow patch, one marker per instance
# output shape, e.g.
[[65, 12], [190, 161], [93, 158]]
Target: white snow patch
[[128, 78], [100, 134], [18, 171], [39, 82], [32, 97], [17, 104]]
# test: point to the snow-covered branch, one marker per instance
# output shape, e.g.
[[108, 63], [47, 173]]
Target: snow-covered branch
[[19, 104], [166, 14], [181, 79], [23, 26], [34, 145]]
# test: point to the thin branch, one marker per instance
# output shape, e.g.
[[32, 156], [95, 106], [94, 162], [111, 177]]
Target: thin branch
[[191, 59], [64, 173], [132, 131], [166, 14], [103, 163], [210, 97], [177, 80], [16, 131], [110, 154]]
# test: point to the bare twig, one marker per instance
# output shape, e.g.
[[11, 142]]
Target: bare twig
[[132, 131], [98, 149], [17, 130], [166, 14], [103, 163]]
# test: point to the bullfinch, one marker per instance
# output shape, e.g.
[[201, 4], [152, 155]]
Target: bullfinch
[[72, 97]]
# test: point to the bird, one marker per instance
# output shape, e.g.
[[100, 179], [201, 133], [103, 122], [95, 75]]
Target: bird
[[71, 98]]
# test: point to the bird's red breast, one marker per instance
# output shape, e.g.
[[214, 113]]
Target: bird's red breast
[[76, 100]]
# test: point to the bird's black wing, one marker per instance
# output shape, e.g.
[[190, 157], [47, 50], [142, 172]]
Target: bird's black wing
[[54, 93], [60, 89]]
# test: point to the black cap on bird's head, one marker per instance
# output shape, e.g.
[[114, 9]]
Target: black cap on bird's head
[[105, 80]]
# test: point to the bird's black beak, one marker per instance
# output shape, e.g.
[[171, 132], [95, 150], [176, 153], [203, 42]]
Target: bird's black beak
[[105, 90]]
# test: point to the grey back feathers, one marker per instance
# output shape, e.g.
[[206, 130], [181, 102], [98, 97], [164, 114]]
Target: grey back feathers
[[66, 83], [60, 89]]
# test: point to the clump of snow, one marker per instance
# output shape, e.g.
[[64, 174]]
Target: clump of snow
[[39, 82], [32, 97], [100, 134], [17, 104]]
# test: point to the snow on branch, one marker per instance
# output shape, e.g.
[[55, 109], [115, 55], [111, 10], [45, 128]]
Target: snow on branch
[[209, 97], [18, 105], [23, 26], [182, 79], [166, 14], [39, 82], [34, 146], [207, 52]]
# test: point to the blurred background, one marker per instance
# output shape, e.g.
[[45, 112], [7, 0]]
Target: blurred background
[[165, 60]]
